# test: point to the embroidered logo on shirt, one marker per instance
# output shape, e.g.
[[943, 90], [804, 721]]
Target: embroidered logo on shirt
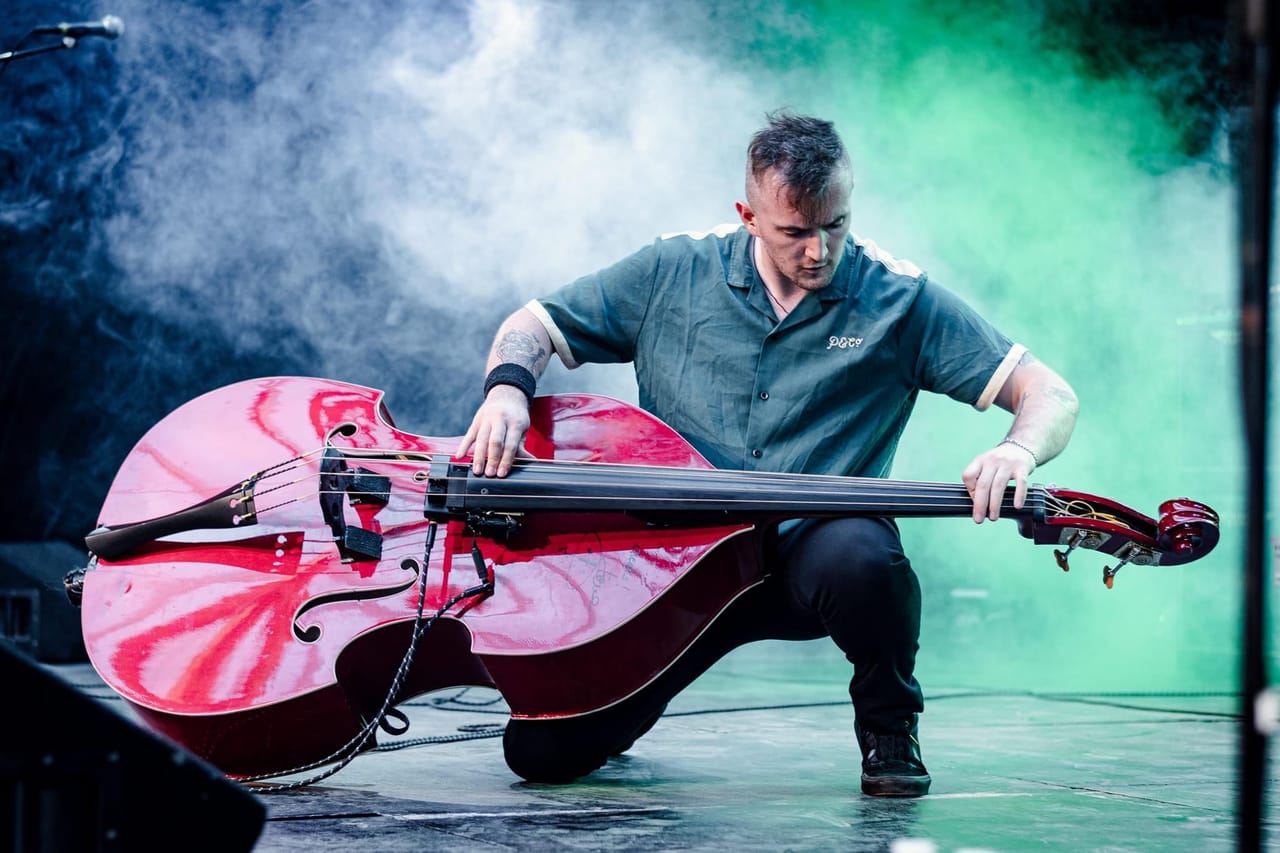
[[843, 343]]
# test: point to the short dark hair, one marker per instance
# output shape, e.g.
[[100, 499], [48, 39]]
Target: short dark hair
[[807, 150]]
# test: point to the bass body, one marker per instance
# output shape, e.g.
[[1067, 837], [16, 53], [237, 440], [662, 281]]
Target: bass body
[[261, 645], [265, 552]]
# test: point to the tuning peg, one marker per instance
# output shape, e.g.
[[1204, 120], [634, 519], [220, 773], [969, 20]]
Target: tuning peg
[[1109, 573], [1133, 553], [1079, 539]]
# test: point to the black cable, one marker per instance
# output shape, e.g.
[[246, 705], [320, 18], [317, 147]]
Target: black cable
[[346, 753], [444, 703], [1090, 698], [478, 731]]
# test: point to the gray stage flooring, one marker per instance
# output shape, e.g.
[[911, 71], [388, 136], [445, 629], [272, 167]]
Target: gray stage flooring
[[755, 757]]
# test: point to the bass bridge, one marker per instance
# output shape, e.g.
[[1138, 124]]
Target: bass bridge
[[359, 486]]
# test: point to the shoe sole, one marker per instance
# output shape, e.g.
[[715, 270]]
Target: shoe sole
[[900, 786]]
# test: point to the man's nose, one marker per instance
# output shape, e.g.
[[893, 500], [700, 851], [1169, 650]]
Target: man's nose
[[816, 249]]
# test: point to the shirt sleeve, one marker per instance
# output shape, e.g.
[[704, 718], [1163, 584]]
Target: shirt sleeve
[[949, 348], [598, 318]]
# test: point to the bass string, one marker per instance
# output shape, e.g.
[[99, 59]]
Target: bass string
[[607, 502], [611, 504], [1054, 507], [945, 496], [400, 457], [676, 472], [891, 494], [816, 484], [392, 456], [700, 478], [703, 476]]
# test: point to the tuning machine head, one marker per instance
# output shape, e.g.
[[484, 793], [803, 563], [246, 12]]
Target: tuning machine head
[[1090, 540]]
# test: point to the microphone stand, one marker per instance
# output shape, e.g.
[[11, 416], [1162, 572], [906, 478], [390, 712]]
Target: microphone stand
[[67, 42]]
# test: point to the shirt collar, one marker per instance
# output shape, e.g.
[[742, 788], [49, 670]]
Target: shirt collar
[[743, 274]]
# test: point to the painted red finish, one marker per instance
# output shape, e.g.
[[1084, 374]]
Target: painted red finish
[[197, 630]]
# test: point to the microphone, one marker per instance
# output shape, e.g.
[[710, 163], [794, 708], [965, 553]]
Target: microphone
[[109, 27]]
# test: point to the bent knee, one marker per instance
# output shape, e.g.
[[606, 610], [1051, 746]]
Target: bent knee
[[540, 751], [856, 556]]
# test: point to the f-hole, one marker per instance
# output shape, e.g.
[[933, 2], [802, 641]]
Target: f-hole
[[312, 633]]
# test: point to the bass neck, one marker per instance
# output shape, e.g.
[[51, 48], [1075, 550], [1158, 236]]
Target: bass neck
[[670, 493]]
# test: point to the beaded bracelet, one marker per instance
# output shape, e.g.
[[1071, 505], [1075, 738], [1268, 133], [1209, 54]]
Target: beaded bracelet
[[508, 373], [1034, 458]]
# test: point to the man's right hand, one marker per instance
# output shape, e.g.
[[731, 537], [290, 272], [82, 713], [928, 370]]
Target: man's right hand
[[497, 431]]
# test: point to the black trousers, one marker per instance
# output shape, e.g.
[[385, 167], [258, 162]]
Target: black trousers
[[845, 578]]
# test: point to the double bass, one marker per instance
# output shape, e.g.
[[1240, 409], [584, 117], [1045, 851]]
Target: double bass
[[267, 552]]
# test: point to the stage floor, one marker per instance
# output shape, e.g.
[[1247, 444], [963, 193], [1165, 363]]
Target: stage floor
[[755, 757]]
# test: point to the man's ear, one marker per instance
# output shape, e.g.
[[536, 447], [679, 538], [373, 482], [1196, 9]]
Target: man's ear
[[748, 217]]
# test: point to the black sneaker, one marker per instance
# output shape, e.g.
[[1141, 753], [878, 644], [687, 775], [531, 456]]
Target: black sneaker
[[891, 762]]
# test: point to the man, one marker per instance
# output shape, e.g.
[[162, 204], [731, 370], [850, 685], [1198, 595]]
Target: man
[[783, 344]]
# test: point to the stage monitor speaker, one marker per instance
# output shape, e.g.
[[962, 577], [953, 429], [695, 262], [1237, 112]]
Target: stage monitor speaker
[[35, 614], [76, 775]]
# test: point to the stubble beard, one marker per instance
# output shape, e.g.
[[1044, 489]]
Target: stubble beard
[[810, 283]]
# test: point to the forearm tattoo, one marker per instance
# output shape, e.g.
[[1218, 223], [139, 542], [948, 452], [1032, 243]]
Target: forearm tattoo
[[1059, 395], [1064, 398], [523, 349], [1056, 394]]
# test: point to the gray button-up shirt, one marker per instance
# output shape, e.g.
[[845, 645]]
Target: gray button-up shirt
[[826, 390]]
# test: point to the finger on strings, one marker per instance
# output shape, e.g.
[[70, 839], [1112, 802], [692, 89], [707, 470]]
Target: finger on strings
[[494, 450], [1020, 492], [464, 445], [509, 451], [480, 449], [999, 486], [981, 494]]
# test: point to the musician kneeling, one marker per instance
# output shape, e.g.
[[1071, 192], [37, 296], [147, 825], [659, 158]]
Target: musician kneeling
[[783, 343]]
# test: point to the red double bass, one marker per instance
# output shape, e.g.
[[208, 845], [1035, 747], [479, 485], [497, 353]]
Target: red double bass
[[265, 550]]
